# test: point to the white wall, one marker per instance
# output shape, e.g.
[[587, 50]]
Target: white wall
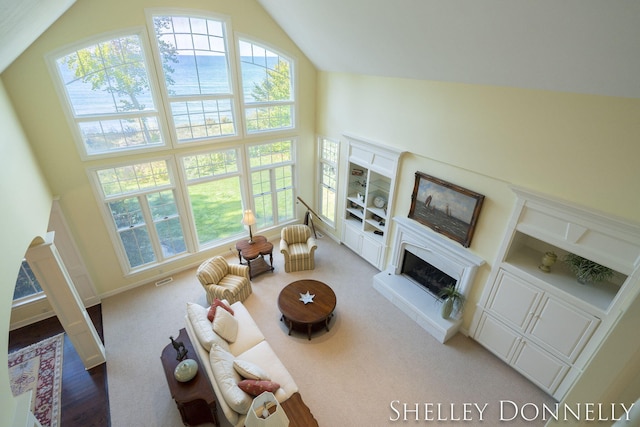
[[26, 203], [580, 148]]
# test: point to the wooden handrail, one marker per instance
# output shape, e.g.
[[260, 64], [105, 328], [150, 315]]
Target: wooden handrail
[[309, 208]]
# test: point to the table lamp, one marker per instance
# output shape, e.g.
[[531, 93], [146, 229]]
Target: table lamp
[[249, 219], [265, 411]]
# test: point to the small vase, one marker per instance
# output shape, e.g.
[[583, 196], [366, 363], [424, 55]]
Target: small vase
[[447, 308], [548, 259]]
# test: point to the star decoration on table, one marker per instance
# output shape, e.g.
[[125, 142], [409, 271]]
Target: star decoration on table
[[306, 298]]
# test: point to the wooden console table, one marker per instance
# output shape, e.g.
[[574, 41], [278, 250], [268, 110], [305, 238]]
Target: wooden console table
[[298, 413], [195, 399]]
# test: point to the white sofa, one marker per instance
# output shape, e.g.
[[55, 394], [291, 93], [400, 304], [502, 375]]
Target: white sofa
[[217, 356]]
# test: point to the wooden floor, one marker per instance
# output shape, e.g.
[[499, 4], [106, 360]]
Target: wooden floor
[[85, 398]]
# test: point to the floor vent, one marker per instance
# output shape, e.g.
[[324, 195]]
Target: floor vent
[[164, 281]]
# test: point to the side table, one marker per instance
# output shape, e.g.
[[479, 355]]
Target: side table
[[195, 399], [254, 254]]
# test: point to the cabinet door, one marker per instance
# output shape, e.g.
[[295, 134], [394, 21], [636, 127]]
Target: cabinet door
[[497, 337], [371, 251], [563, 328], [352, 238], [542, 368], [513, 300]]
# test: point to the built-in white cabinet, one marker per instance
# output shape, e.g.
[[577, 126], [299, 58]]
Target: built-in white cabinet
[[546, 324], [368, 199]]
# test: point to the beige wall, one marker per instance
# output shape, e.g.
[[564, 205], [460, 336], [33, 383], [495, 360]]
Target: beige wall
[[580, 148], [24, 216], [38, 106]]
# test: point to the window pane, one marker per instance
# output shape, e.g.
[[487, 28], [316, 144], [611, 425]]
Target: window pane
[[195, 49], [116, 69], [264, 118], [265, 74], [210, 164], [108, 135], [203, 119], [164, 212], [285, 204], [137, 246], [134, 178], [26, 283], [263, 211], [270, 154], [127, 213], [328, 209], [217, 209]]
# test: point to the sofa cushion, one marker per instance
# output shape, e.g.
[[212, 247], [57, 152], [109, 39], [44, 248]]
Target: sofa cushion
[[225, 325], [257, 387], [263, 355], [227, 379], [248, 332], [215, 304], [250, 370], [203, 328]]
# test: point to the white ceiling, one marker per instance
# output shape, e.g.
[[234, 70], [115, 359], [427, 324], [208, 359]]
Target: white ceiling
[[582, 46]]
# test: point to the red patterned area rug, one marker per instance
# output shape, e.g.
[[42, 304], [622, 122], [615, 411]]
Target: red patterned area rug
[[39, 368]]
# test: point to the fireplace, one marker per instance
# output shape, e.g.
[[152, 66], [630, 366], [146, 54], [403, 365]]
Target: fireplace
[[425, 274], [422, 263]]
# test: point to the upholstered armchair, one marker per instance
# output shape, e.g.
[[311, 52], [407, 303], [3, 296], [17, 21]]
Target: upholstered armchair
[[223, 280], [297, 245]]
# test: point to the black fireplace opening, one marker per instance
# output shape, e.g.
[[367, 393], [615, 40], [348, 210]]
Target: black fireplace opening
[[425, 274]]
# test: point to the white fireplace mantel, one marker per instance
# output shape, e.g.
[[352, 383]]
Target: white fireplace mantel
[[440, 252]]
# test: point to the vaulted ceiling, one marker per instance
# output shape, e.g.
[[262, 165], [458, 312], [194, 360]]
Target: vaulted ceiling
[[582, 46]]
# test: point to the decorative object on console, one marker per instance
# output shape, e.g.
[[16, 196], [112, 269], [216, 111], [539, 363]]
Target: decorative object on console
[[266, 412], [180, 349], [446, 208], [548, 259], [186, 370], [586, 270], [249, 219], [306, 298], [452, 301]]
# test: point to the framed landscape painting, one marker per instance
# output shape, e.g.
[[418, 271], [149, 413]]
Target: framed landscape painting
[[446, 208]]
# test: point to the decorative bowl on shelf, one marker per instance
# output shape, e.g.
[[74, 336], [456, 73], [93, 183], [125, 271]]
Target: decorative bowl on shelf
[[379, 202], [186, 370]]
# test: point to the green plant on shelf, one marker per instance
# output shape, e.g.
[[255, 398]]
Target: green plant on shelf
[[587, 271]]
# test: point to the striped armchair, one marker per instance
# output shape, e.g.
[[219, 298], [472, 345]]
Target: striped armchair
[[297, 245], [223, 280]]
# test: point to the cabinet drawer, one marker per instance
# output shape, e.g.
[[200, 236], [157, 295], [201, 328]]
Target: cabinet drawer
[[514, 300], [497, 337], [562, 328]]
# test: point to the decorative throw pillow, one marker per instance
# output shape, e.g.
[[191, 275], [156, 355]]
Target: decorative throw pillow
[[225, 325], [250, 370], [257, 387], [212, 310]]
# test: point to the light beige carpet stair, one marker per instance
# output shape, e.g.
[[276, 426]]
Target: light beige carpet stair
[[372, 356]]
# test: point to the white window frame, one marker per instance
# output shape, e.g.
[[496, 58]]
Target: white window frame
[[233, 96], [187, 182], [73, 121], [294, 85], [273, 191], [103, 201], [321, 162]]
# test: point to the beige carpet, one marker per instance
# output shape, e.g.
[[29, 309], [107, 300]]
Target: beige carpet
[[372, 356]]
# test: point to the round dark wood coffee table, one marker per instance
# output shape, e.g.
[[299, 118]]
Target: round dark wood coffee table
[[295, 313]]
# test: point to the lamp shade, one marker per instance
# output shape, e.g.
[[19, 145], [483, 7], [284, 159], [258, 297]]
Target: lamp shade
[[248, 218], [265, 411]]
